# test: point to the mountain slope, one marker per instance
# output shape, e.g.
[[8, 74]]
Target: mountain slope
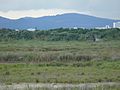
[[50, 22]]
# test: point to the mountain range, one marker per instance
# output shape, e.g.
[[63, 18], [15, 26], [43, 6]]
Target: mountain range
[[68, 20]]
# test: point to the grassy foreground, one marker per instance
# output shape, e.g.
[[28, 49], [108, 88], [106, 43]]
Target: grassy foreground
[[59, 62], [40, 73]]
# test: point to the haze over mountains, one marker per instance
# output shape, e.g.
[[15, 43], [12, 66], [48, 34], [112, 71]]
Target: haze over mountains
[[68, 20]]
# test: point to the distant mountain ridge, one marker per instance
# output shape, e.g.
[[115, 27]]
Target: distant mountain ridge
[[68, 20]]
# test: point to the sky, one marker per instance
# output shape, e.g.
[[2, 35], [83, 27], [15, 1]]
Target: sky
[[36, 8]]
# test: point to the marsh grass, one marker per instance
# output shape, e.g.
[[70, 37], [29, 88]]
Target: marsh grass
[[59, 62], [46, 51]]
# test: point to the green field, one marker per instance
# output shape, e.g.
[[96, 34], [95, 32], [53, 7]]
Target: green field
[[35, 73], [34, 61]]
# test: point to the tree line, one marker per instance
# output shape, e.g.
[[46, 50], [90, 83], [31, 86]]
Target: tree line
[[61, 34]]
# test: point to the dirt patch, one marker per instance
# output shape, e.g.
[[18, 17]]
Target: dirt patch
[[56, 86]]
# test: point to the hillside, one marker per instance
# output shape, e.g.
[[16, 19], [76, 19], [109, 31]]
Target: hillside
[[51, 22]]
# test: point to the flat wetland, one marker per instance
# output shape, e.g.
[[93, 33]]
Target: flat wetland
[[64, 62]]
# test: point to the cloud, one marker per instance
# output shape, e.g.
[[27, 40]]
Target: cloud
[[35, 13], [102, 8]]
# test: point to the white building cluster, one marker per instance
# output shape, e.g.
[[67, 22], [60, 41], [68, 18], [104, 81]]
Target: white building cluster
[[116, 25], [106, 27]]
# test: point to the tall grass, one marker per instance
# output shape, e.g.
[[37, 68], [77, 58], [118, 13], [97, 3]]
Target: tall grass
[[60, 56], [39, 51]]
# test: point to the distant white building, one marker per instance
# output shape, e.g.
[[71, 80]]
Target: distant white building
[[31, 29], [116, 25], [75, 27], [17, 30], [106, 27]]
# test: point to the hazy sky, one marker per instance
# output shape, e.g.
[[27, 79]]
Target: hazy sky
[[37, 8]]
